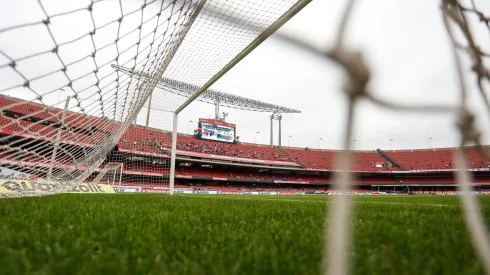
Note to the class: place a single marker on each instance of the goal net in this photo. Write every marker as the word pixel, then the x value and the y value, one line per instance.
pixel 79 80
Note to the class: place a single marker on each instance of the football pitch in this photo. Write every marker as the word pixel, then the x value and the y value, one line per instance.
pixel 199 234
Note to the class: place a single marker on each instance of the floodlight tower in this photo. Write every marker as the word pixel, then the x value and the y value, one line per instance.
pixel 275 116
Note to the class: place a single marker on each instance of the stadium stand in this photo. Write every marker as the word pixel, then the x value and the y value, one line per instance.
pixel 312 166
pixel 189 143
pixel 436 159
pixel 325 159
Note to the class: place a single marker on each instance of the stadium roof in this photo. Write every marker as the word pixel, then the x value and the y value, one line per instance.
pixel 212 96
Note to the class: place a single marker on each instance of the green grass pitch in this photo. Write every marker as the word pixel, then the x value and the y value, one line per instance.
pixel 199 234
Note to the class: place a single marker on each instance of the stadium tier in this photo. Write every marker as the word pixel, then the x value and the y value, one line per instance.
pixel 324 160
pixel 144 153
pixel 435 160
pixel 141 140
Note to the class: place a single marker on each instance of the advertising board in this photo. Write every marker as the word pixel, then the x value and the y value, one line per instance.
pixel 30 186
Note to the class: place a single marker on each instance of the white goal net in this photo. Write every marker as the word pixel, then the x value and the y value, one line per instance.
pixel 79 80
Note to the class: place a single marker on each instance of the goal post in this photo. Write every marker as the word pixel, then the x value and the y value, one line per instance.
pixel 173 153
pixel 57 141
pixel 111 174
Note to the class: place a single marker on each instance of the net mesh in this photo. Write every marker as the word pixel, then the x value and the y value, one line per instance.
pixel 67 111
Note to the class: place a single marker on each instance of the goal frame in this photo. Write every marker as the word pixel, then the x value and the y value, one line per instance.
pixel 246 51
pixel 111 166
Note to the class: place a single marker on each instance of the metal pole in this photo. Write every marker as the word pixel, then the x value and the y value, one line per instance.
pixel 216 108
pixel 272 130
pixel 149 109
pixel 120 175
pixel 280 132
pixel 173 154
pixel 57 141
pixel 391 147
pixel 114 178
pixel 261 38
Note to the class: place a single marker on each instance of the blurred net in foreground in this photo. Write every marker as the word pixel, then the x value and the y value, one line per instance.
pixel 65 112
pixel 460 20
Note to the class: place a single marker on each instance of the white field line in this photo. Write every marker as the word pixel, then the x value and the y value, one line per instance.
pixel 370 202
pixel 325 201
pixel 407 203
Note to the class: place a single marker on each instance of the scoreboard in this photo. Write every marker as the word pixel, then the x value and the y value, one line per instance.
pixel 216 130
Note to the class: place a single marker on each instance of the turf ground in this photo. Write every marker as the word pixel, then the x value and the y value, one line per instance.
pixel 199 234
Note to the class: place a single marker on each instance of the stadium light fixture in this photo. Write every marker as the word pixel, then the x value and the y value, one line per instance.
pixel 354 144
pixel 430 143
pixel 391 147
pixel 290 136
pixel 256 137
pixel 320 143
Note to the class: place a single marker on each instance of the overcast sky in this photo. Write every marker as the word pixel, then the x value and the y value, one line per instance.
pixel 408 51
pixel 404 42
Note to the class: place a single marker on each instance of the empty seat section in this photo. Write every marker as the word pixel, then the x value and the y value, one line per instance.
pixel 139 138
pixel 367 161
pixel 427 180
pixel 314 159
pixel 424 159
pixel 327 160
